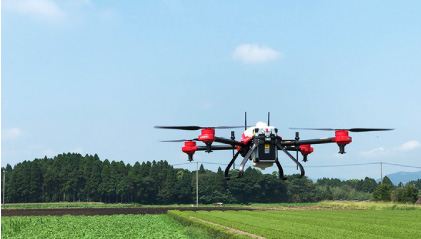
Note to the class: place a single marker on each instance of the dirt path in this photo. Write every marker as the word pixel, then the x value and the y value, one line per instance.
pixel 230 229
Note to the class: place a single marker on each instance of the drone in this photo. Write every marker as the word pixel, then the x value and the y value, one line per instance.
pixel 261 144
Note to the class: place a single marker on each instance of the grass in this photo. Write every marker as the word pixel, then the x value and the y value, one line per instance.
pixel 117 226
pixel 318 223
pixel 369 205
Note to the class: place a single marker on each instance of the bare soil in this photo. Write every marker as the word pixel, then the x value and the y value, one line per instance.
pixel 138 210
pixel 107 211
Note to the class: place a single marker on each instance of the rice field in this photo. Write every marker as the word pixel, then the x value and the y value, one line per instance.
pixel 314 223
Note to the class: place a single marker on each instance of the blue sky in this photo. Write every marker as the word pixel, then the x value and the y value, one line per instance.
pixel 95 77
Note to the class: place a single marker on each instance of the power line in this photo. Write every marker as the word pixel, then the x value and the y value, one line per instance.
pixel 180 164
pixel 321 166
pixel 336 165
pixel 401 165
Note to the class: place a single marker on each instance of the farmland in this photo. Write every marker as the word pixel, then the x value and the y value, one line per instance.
pixel 313 223
pixel 117 226
pixel 327 219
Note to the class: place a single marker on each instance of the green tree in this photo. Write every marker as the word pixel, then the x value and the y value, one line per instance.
pixel 416 183
pixel 386 180
pixel 301 190
pixel 183 188
pixel 369 185
pixel 202 169
pixel 8 171
pixel 135 175
pixel 35 184
pixel 382 193
pixel 407 194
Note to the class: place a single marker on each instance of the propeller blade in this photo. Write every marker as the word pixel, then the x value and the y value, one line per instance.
pixel 224 127
pixel 328 129
pixel 350 130
pixel 179 127
pixel 197 127
pixel 178 140
pixel 366 129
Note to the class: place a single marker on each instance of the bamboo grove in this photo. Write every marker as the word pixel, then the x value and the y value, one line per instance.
pixel 73 177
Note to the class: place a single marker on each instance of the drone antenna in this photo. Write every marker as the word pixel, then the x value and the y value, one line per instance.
pixel 233 138
pixel 268 118
pixel 245 120
pixel 297 137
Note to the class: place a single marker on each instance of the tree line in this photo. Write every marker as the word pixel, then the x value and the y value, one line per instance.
pixel 72 177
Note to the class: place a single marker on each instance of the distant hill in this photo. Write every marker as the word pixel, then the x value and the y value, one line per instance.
pixel 403 177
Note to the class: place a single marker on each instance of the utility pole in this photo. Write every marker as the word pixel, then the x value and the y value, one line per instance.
pixel 4 186
pixel 381 173
pixel 197 184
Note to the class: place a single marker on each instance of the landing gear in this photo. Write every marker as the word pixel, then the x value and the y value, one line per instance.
pixel 227 177
pixel 243 163
pixel 281 171
pixel 278 164
pixel 293 159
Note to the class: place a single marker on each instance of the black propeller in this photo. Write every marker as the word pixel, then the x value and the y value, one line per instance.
pixel 178 140
pixel 350 130
pixel 197 127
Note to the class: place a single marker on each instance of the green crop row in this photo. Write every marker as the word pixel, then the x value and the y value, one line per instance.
pixel 319 224
pixel 117 226
pixel 373 225
pixel 399 218
pixel 213 230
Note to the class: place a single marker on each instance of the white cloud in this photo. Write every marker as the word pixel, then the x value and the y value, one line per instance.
pixel 405 147
pixel 380 151
pixel 408 146
pixel 255 54
pixel 11 133
pixel 40 9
